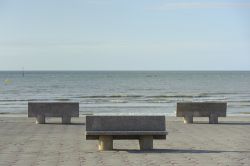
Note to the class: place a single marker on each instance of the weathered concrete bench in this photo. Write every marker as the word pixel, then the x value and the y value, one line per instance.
pixel 108 128
pixel 65 110
pixel 213 110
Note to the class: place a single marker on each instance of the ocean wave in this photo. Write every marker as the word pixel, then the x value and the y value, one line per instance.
pixel 27 100
pixel 135 113
pixel 109 96
pixel 124 106
pixel 173 96
pixel 118 101
pixel 141 96
pixel 15 100
pixel 152 96
pixel 239 101
pixel 134 98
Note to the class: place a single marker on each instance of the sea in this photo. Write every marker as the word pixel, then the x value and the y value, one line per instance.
pixel 125 92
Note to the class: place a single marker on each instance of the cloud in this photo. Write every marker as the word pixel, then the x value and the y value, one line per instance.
pixel 200 5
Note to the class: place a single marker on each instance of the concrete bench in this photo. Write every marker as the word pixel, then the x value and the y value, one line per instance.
pixel 109 128
pixel 213 110
pixel 65 110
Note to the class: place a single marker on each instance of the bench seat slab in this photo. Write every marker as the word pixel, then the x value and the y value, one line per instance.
pixel 201 109
pixel 53 109
pixel 109 128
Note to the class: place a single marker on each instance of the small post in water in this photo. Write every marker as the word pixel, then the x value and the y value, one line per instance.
pixel 23 72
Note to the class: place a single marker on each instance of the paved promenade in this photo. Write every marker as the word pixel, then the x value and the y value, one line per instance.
pixel 24 143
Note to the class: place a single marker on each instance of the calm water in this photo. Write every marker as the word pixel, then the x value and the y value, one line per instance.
pixel 125 92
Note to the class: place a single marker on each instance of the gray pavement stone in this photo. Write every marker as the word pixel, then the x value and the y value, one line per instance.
pixel 22 143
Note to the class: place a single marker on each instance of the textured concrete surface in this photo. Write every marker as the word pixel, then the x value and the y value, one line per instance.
pixel 24 143
pixel 125 123
pixel 201 109
pixel 119 126
pixel 53 109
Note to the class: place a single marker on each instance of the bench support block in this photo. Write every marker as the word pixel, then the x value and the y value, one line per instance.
pixel 146 142
pixel 188 119
pixel 105 143
pixel 66 119
pixel 40 119
pixel 213 119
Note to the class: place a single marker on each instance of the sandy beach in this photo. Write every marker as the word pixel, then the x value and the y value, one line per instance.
pixel 24 143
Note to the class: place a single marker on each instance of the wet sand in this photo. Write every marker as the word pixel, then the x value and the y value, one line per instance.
pixel 24 143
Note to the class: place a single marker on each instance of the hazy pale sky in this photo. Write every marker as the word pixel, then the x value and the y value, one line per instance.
pixel 125 35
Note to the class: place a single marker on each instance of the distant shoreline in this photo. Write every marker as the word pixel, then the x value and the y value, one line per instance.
pixel 125 70
pixel 88 113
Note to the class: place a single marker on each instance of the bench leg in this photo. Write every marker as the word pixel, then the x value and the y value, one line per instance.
pixel 146 142
pixel 105 143
pixel 66 119
pixel 188 119
pixel 40 119
pixel 213 119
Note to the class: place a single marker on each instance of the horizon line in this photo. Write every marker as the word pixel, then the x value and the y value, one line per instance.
pixel 124 70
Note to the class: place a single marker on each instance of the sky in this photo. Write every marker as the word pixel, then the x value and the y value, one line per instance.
pixel 125 35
